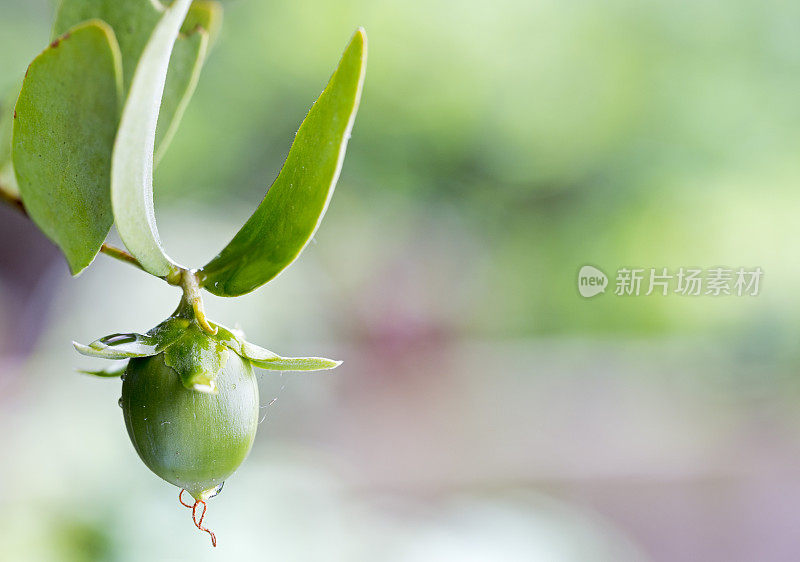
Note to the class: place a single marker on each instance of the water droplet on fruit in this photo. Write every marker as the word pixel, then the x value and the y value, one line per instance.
pixel 216 491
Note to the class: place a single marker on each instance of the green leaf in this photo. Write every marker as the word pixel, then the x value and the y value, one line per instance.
pixel 89 352
pixel 198 32
pixel 133 22
pixel 293 208
pixel 108 372
pixel 296 364
pixel 197 358
pixel 132 161
pixel 187 61
pixel 121 346
pixel 66 119
pixel 126 346
pixel 266 359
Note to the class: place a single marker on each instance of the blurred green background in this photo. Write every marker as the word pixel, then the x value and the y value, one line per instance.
pixel 485 411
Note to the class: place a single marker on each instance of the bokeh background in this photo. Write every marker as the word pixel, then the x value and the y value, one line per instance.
pixel 484 411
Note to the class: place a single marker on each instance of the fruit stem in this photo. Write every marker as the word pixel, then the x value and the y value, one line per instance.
pixel 194 298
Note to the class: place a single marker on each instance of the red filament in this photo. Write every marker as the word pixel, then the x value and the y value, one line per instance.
pixel 198 522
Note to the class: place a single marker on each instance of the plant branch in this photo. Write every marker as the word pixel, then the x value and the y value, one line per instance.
pixel 120 254
pixel 112 251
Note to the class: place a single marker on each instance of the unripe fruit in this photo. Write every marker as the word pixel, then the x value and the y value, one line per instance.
pixel 194 440
pixel 190 398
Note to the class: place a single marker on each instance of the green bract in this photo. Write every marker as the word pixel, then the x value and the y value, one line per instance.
pixel 196 356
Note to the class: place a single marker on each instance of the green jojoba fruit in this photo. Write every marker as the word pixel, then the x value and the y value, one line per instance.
pixel 194 440
pixel 190 397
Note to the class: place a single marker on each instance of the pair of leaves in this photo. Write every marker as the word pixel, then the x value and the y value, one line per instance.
pixel 292 210
pixel 196 356
pixel 68 111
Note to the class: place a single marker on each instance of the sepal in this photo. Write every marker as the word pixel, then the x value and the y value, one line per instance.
pixel 109 372
pixel 197 358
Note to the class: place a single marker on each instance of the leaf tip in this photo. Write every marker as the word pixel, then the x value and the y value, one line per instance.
pixel 82 349
pixel 360 39
pixel 77 264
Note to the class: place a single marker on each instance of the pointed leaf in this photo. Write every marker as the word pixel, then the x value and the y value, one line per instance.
pixel 184 72
pixel 133 22
pixel 293 208
pixel 198 32
pixel 120 346
pixel 106 353
pixel 109 372
pixel 66 118
pixel 132 161
pixel 296 364
pixel 266 359
pixel 126 346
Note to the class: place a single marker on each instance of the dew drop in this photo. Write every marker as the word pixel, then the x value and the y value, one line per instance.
pixel 119 402
pixel 115 339
pixel 216 490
